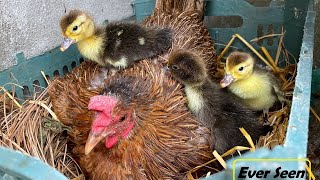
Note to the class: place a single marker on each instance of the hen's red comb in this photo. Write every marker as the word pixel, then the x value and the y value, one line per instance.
pixel 102 103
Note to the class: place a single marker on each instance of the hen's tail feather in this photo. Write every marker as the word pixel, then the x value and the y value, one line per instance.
pixel 176 6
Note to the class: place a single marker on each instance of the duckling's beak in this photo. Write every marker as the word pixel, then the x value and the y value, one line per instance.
pixel 226 81
pixel 67 42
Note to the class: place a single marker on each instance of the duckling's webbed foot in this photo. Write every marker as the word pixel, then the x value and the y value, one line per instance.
pixel 286 102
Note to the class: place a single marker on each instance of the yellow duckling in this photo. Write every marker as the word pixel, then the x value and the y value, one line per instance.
pixel 118 44
pixel 257 87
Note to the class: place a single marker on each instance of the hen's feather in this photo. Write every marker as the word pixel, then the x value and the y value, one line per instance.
pixel 166 141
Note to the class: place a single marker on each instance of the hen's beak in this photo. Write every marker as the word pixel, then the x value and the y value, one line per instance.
pixel 67 42
pixel 226 81
pixel 94 139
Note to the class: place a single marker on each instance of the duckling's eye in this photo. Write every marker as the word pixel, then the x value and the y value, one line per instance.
pixel 241 68
pixel 75 28
pixel 174 67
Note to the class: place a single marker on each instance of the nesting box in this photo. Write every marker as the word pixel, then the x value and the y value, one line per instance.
pixel 237 16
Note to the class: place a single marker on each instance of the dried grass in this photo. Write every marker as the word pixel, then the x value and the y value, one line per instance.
pixel 31 129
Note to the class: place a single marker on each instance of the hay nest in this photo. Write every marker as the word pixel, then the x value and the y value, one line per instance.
pixel 34 130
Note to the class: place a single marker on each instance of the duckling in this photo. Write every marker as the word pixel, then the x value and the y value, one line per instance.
pixel 257 87
pixel 217 108
pixel 118 44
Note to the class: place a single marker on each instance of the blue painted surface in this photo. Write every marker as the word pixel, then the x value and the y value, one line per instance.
pixel 15 165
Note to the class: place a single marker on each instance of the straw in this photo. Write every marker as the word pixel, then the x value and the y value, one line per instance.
pixel 310 172
pixel 249 139
pixel 21 129
pixel 54 116
pixel 10 96
pixel 279 46
pixel 265 36
pixel 315 114
pixel 220 159
pixel 226 49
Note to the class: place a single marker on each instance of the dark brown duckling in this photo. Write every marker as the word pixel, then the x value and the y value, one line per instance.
pixel 213 106
pixel 118 44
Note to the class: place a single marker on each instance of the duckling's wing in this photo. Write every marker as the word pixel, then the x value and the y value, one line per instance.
pixel 276 91
pixel 276 85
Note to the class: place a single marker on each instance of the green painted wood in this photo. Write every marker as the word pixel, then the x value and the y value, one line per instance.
pixel 28 70
pixel 315 93
pixel 268 18
pixel 294 18
pixel 142 8
pixel 315 88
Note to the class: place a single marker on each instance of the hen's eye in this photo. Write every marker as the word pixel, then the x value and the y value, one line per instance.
pixel 75 28
pixel 174 67
pixel 241 68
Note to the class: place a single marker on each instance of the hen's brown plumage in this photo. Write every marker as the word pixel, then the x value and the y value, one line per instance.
pixel 166 140
pixel 185 18
pixel 70 96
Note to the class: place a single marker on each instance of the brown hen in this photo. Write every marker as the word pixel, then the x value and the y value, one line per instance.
pixel 166 140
